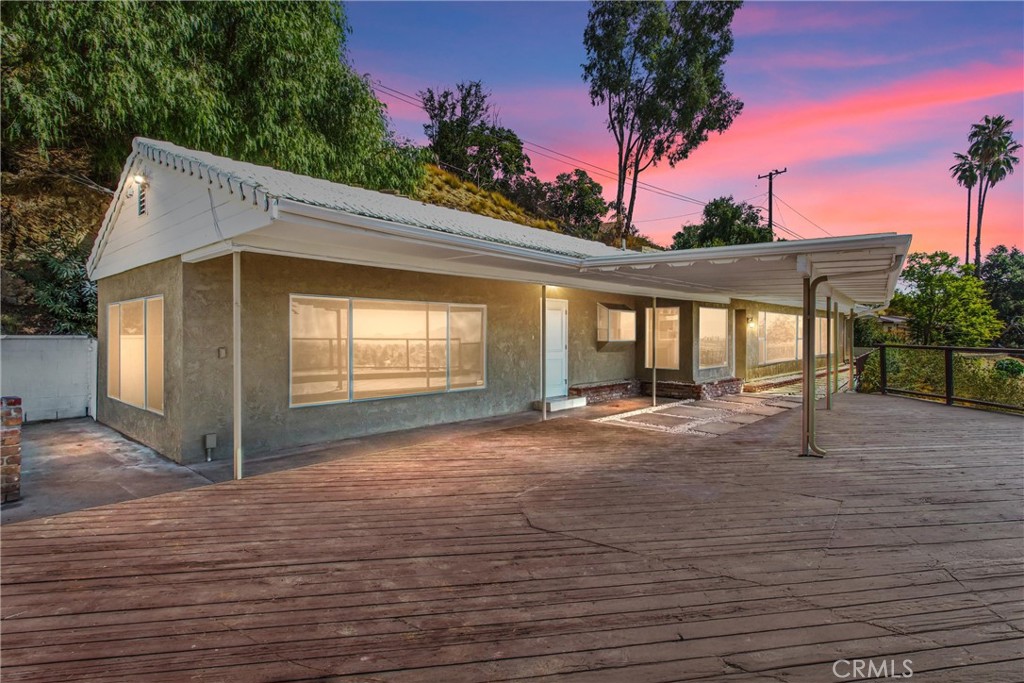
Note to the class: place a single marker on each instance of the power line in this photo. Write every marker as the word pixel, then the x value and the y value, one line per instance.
pixel 415 101
pixel 805 217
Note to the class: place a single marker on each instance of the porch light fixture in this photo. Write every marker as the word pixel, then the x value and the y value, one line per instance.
pixel 140 180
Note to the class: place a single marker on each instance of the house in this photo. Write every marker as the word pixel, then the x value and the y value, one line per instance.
pixel 244 306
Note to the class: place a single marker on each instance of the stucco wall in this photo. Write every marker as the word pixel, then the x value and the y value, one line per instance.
pixel 162 432
pixel 513 352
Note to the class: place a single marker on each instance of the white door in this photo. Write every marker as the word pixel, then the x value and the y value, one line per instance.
pixel 556 348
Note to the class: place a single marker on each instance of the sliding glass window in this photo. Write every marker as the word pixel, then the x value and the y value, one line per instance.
pixel 135 353
pixel 358 349
pixel 666 336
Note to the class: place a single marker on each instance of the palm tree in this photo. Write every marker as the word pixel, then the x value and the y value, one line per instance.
pixel 965 173
pixel 994 150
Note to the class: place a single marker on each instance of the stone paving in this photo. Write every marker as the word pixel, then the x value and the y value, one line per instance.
pixel 708 417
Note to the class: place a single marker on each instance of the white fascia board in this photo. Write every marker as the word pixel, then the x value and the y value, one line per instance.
pixel 798 247
pixel 110 217
pixel 291 210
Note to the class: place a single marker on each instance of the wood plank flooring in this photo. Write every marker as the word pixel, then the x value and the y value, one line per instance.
pixel 562 551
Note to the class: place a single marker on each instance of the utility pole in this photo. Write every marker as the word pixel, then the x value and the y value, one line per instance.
pixel 771 202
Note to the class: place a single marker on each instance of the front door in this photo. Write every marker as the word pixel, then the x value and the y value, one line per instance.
pixel 556 348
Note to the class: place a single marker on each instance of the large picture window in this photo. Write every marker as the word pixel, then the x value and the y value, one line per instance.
pixel 780 337
pixel 665 336
pixel 713 344
pixel 135 353
pixel 355 349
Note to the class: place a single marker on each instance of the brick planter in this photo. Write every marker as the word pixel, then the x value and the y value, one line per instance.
pixel 10 450
pixel 690 391
pixel 602 392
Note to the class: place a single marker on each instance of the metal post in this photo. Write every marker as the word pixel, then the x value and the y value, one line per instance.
pixel 808 446
pixel 838 354
pixel 828 352
pixel 949 376
pixel 883 370
pixel 236 368
pixel 543 352
pixel 654 354
pixel 849 343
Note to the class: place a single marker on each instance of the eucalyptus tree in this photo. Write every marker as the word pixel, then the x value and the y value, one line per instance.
pixel 468 139
pixel 965 173
pixel 657 68
pixel 994 150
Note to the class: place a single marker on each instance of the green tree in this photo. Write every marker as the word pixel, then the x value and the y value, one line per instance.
pixel 1003 275
pixel 575 202
pixel 657 68
pixel 725 222
pixel 467 139
pixel 261 82
pixel 965 173
pixel 994 151
pixel 946 303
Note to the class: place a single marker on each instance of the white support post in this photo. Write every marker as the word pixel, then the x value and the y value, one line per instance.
pixel 828 353
pixel 654 355
pixel 543 352
pixel 236 364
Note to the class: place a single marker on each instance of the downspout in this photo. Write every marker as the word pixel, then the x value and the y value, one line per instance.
pixel 808 447
pixel 236 365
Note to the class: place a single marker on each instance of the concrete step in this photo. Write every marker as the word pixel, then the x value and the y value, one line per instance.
pixel 557 403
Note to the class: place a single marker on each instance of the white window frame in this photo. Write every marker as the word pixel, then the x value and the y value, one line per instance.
pixel 447 389
pixel 145 352
pixel 605 315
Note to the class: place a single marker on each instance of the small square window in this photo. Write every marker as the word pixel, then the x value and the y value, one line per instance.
pixel 615 323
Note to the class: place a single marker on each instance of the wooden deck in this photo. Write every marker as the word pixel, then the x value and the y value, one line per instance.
pixel 563 551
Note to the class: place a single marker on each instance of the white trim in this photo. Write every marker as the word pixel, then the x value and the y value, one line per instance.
pixel 145 352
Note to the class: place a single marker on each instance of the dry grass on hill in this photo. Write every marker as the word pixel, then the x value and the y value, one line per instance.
pixel 442 188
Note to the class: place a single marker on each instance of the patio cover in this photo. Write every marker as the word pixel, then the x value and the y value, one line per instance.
pixel 311 218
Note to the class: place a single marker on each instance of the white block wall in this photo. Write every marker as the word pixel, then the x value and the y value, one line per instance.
pixel 54 376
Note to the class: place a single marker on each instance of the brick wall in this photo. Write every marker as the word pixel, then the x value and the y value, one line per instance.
pixel 10 450
pixel 691 391
pixel 601 392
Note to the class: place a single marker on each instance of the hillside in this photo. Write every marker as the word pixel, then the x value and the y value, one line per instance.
pixel 441 188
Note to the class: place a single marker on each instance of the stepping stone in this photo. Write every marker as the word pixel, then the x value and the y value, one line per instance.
pixel 688 410
pixel 763 410
pixel 715 405
pixel 743 418
pixel 657 420
pixel 733 398
pixel 717 428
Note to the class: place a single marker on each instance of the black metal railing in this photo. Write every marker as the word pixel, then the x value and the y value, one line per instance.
pixel 981 381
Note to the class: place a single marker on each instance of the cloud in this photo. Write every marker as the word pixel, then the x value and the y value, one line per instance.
pixel 793 18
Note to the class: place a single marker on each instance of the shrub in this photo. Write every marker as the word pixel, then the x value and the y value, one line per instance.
pixel 1010 367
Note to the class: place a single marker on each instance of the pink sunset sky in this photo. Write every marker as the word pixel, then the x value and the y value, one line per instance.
pixel 864 103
